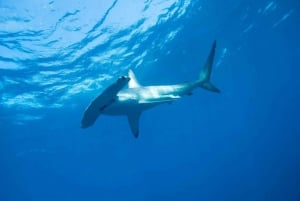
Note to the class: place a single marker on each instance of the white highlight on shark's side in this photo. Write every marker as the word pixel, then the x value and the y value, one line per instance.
pixel 133 100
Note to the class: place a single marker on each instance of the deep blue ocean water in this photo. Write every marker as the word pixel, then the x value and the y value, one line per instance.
pixel 241 144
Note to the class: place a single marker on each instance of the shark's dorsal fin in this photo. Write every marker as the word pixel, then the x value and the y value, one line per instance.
pixel 133 83
pixel 134 119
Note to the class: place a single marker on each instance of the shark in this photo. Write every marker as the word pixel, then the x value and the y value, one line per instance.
pixel 126 96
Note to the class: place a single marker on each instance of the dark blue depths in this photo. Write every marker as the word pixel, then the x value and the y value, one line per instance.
pixel 242 144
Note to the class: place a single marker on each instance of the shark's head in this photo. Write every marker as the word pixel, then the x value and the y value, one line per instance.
pixel 122 80
pixel 103 101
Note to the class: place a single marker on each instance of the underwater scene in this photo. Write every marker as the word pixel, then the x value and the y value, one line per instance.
pixel 142 100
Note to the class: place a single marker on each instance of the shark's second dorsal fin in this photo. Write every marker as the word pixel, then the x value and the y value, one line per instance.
pixel 133 83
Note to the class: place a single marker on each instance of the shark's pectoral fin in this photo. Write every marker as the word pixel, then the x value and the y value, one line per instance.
pixel 134 119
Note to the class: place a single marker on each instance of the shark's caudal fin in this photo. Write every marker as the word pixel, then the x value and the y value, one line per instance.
pixel 204 77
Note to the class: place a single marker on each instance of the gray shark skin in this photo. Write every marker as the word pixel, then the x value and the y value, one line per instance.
pixel 133 100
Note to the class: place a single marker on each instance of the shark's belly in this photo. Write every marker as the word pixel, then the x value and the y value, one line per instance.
pixel 118 109
pixel 125 108
pixel 139 99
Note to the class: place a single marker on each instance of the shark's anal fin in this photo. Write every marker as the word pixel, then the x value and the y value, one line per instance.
pixel 134 119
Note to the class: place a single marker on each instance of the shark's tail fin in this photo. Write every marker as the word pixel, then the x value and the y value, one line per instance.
pixel 204 77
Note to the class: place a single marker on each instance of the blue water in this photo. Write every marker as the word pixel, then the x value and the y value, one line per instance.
pixel 241 144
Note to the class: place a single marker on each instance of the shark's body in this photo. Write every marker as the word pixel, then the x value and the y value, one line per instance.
pixel 132 101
